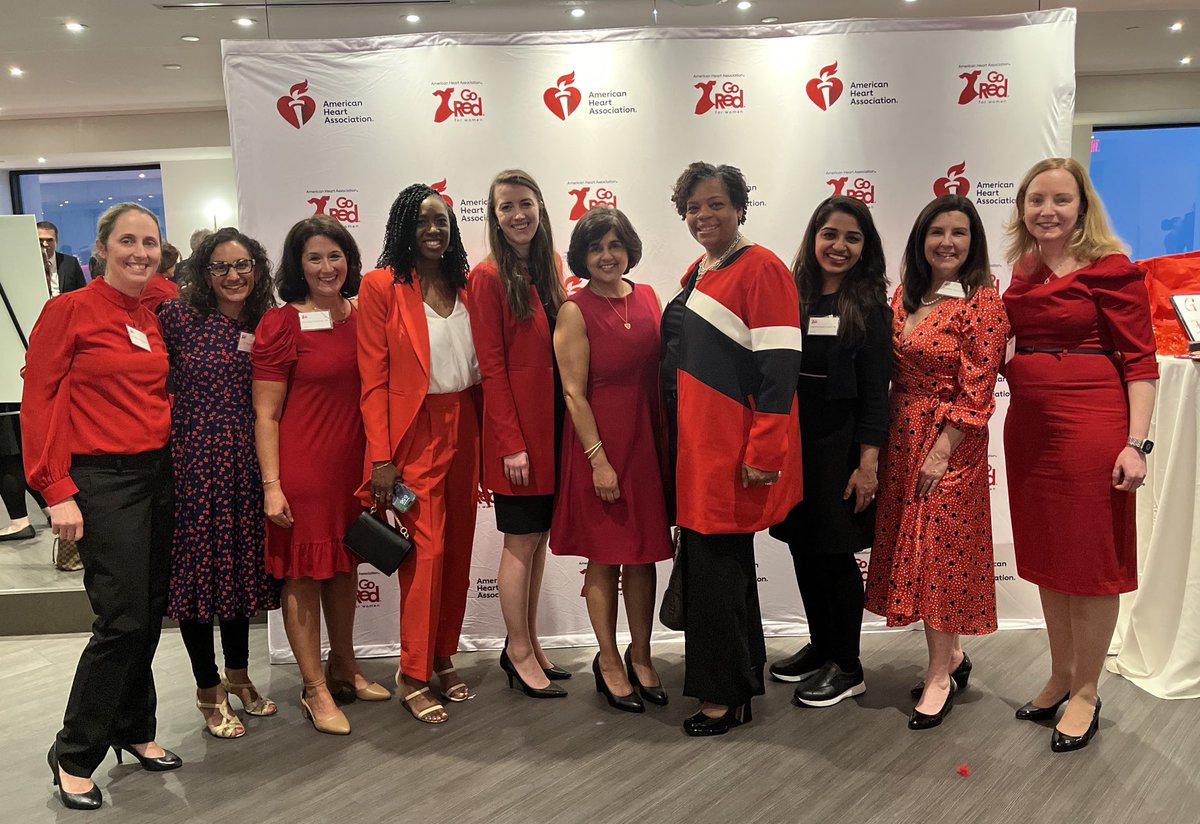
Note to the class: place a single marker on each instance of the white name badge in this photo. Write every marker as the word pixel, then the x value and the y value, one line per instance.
pixel 951 289
pixel 138 338
pixel 1010 349
pixel 823 325
pixel 311 321
pixel 245 341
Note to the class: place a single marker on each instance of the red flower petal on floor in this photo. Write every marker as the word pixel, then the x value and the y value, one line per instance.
pixel 963 770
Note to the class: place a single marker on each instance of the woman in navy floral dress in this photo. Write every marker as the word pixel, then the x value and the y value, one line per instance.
pixel 217 569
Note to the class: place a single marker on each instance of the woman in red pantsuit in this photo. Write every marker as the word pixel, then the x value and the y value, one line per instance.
pixel 514 298
pixel 1082 384
pixel 932 556
pixel 420 412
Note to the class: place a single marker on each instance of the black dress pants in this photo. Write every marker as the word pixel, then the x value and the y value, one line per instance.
pixel 724 651
pixel 831 588
pixel 128 514
pixel 198 640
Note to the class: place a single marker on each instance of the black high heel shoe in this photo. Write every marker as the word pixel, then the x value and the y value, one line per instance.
pixel 961 675
pixel 552 672
pixel 627 703
pixel 160 763
pixel 1032 712
pixel 90 800
pixel 1061 742
pixel 699 725
pixel 655 695
pixel 552 691
pixel 921 721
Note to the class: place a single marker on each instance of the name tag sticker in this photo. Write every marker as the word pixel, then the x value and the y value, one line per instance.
pixel 824 325
pixel 311 321
pixel 951 289
pixel 245 341
pixel 138 338
pixel 1010 349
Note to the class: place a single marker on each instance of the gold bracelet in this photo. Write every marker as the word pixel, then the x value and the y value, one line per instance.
pixel 379 464
pixel 588 453
pixel 272 481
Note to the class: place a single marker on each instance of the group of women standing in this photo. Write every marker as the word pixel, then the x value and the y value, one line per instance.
pixel 757 398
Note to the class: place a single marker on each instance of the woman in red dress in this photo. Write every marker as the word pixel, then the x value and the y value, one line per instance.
pixel 1082 382
pixel 932 557
pixel 610 506
pixel 309 435
pixel 514 296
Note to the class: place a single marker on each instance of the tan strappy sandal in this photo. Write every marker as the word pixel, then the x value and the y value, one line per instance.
pixel 458 692
pixel 423 715
pixel 260 706
pixel 230 726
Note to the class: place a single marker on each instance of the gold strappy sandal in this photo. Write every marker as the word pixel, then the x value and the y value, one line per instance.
pixel 458 692
pixel 230 726
pixel 423 715
pixel 260 706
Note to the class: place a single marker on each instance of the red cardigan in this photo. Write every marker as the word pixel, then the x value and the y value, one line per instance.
pixel 516 362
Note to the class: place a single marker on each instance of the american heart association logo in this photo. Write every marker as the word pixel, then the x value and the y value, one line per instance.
pixel 953 183
pixel 562 98
pixel 296 107
pixel 825 90
pixel 440 188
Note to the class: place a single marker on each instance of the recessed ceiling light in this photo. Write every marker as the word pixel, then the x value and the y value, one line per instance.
pixel 1186 61
pixel 41 160
pixel 110 198
pixel 74 27
pixel 16 71
pixel 141 175
pixel 1176 26
pixel 150 196
pixel 172 66
pixel 413 18
pixel 578 12
pixel 190 38
pixel 66 203
pixel 245 21
pixel 770 20
pixel 99 201
pixel 745 4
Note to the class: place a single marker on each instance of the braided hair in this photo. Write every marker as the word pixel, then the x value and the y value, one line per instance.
pixel 401 233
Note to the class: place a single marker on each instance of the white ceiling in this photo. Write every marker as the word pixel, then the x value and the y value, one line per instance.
pixel 116 64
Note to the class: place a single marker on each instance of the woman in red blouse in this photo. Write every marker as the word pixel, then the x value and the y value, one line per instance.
pixel 94 422
pixel 1082 384
pixel 514 298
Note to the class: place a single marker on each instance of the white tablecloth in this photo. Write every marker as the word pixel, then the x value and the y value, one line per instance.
pixel 1158 632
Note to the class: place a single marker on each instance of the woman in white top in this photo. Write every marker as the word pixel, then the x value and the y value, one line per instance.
pixel 420 405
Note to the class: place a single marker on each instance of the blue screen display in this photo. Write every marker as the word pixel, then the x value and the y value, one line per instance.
pixel 1149 180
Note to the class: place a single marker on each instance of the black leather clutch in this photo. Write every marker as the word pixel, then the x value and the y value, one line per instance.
pixel 377 543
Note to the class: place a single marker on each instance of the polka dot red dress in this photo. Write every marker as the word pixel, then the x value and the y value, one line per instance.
pixel 932 557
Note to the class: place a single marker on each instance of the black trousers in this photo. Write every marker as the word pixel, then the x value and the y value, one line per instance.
pixel 13 487
pixel 724 652
pixel 831 588
pixel 198 639
pixel 128 514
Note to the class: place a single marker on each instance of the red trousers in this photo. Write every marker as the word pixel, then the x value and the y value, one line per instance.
pixel 441 467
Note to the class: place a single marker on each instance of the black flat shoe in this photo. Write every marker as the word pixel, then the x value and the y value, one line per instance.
pixel 829 686
pixel 90 800
pixel 1032 712
pixel 1061 742
pixel 961 675
pixel 626 703
pixel 160 763
pixel 552 691
pixel 804 664
pixel 921 721
pixel 655 695
pixel 23 534
pixel 700 725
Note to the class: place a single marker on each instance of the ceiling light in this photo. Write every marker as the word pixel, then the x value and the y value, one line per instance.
pixel 1185 61
pixel 141 175
pixel 413 18
pixel 245 21
pixel 41 160
pixel 74 27
pixel 770 20
pixel 190 38
pixel 151 196
pixel 99 201
pixel 172 66
pixel 1176 26
pixel 578 12
pixel 110 198
pixel 16 71
pixel 66 203
pixel 745 4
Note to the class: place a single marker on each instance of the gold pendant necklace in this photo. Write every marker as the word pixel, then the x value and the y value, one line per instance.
pixel 611 305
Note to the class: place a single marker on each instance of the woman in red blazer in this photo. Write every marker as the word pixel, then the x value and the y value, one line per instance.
pixel 515 295
pixel 420 411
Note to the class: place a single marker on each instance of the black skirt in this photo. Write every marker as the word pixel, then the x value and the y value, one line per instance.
pixel 523 514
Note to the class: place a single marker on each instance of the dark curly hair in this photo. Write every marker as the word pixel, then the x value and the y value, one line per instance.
pixel 289 277
pixel 916 276
pixel 731 178
pixel 542 261
pixel 863 287
pixel 401 232
pixel 196 289
pixel 592 228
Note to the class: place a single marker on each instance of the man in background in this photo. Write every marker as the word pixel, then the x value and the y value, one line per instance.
pixel 65 274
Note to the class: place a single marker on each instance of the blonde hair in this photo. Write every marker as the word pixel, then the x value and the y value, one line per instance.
pixel 108 220
pixel 1092 237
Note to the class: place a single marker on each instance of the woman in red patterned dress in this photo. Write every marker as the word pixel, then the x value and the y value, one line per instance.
pixel 932 558
pixel 1082 383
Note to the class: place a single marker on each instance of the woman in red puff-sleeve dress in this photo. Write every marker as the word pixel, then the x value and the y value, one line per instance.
pixel 1082 392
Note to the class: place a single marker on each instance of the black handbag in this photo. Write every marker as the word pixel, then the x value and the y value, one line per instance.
pixel 671 613
pixel 377 543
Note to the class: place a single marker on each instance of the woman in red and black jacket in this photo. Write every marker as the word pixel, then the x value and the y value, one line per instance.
pixel 514 298
pixel 95 421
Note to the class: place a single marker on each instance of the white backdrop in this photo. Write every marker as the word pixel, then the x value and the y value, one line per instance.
pixel 890 111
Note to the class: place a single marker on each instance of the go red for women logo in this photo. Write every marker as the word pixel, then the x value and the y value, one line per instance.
pixel 603 197
pixel 825 89
pixel 954 182
pixel 296 107
pixel 368 591
pixel 562 99
pixel 468 104
pixel 992 88
pixel 440 188
pixel 343 209
pixel 859 187
pixel 730 96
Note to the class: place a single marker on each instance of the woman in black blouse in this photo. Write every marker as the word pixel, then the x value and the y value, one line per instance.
pixel 844 372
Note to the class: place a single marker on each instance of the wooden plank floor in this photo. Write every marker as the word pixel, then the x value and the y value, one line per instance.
pixel 506 758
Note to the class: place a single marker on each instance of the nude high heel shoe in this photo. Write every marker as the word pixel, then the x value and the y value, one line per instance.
pixel 335 724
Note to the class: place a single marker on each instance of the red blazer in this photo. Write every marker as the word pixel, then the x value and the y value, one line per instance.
pixel 393 363
pixel 516 361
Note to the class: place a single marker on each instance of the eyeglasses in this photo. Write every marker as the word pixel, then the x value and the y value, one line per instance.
pixel 220 268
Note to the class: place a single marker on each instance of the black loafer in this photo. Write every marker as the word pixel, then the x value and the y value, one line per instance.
pixel 921 721
pixel 1032 712
pixel 829 686
pixel 1061 742
pixel 700 725
pixel 22 534
pixel 804 664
